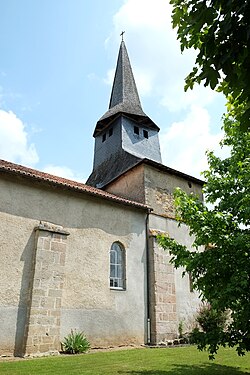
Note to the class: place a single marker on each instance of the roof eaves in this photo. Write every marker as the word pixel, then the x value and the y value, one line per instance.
pixel 33 174
pixel 104 122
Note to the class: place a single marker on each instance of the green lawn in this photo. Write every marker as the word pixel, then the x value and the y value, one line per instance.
pixel 166 361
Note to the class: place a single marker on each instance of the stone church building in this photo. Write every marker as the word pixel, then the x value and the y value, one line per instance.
pixel 84 256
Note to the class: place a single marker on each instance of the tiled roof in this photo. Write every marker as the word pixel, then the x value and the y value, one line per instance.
pixel 35 175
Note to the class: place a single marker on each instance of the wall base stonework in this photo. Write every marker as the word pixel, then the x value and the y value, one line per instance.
pixel 43 322
pixel 162 295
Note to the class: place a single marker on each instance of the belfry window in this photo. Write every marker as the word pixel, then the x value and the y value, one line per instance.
pixel 145 134
pixel 117 266
pixel 110 132
pixel 104 137
pixel 136 130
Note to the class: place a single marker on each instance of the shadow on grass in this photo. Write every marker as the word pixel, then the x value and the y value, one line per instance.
pixel 206 369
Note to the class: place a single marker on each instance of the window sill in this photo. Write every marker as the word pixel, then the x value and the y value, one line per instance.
pixel 116 288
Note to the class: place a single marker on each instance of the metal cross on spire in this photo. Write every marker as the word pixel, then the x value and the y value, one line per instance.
pixel 122 35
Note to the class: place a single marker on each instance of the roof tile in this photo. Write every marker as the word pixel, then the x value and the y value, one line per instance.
pixel 20 170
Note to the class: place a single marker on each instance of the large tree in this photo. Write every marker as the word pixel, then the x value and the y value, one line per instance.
pixel 222 271
pixel 220 32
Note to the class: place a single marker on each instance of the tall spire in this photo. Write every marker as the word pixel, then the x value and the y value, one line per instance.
pixel 124 89
pixel 124 135
pixel 124 95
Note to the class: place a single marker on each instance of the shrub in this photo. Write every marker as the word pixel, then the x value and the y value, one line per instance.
pixel 211 319
pixel 211 331
pixel 180 328
pixel 75 343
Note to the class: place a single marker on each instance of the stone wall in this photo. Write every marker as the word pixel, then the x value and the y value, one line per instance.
pixel 44 320
pixel 163 315
pixel 185 300
pixel 129 185
pixel 160 187
pixel 35 282
pixel 171 300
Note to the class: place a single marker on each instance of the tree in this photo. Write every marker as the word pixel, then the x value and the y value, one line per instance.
pixel 220 31
pixel 222 271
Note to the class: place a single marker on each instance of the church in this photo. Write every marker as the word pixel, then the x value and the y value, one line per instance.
pixel 85 257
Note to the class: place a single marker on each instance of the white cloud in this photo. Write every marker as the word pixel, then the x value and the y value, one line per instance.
pixel 159 67
pixel 63 171
pixel 143 13
pixel 14 145
pixel 109 76
pixel 144 82
pixel 175 99
pixel 184 144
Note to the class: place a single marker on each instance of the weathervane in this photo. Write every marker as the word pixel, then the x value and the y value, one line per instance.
pixel 122 35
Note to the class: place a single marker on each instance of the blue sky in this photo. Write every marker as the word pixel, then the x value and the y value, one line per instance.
pixel 56 69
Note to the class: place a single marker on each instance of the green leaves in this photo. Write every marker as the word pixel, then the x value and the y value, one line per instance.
pixel 212 78
pixel 220 259
pixel 75 343
pixel 213 325
pixel 220 31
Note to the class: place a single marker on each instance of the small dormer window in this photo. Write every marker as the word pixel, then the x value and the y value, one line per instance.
pixel 104 137
pixel 110 132
pixel 145 134
pixel 136 130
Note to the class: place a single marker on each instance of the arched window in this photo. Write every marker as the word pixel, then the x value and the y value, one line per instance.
pixel 117 266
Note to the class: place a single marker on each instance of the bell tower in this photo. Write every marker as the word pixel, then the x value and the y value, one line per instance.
pixel 124 135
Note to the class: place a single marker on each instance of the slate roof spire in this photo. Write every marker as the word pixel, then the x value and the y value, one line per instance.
pixel 124 90
pixel 124 135
pixel 124 95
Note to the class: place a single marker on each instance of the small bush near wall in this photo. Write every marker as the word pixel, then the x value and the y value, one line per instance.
pixel 211 319
pixel 211 330
pixel 75 343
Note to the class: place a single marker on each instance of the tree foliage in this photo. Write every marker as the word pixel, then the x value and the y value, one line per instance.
pixel 213 324
pixel 220 31
pixel 222 271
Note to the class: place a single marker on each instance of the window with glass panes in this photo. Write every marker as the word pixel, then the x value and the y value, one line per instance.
pixel 117 266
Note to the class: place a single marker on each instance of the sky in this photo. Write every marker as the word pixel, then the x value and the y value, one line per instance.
pixel 56 71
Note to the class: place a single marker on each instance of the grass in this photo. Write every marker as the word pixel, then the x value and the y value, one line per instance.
pixel 168 361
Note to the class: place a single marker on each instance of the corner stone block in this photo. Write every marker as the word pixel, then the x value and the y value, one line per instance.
pixel 45 307
pixel 162 285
